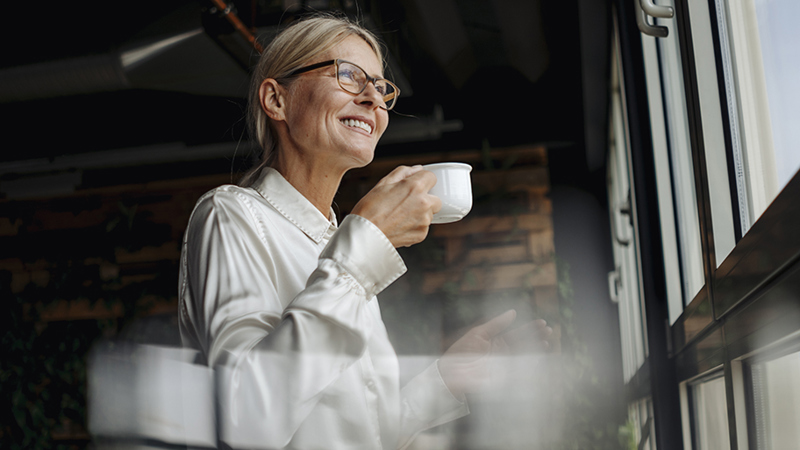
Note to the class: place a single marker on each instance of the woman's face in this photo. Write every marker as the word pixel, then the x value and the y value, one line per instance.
pixel 328 124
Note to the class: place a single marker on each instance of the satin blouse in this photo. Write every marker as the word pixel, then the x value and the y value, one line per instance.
pixel 281 301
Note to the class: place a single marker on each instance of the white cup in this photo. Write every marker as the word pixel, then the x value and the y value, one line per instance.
pixel 454 188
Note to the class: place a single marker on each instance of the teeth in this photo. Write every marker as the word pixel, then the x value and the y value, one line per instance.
pixel 358 124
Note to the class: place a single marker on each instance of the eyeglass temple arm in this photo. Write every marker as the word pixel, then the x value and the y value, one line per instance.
pixel 311 67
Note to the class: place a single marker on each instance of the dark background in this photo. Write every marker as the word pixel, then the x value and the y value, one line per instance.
pixel 504 71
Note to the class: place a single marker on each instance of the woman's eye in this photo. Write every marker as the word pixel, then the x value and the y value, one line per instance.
pixel 347 74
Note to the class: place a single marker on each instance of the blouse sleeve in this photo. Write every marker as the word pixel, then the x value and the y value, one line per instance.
pixel 276 361
pixel 426 403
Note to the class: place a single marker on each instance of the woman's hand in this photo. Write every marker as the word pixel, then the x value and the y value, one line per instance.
pixel 400 205
pixel 468 364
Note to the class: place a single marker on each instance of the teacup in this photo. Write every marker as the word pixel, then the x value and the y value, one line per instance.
pixel 454 188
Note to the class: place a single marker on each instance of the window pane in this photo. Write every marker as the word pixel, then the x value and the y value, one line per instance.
pixel 666 204
pixel 640 420
pixel 711 416
pixel 776 394
pixel 762 66
pixel 716 174
pixel 624 280
pixel 685 198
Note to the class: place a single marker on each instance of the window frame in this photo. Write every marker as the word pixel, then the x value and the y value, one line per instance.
pixel 750 300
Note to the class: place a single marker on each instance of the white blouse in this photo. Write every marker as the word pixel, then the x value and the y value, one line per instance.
pixel 282 302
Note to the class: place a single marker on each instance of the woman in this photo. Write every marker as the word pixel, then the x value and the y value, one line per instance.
pixel 281 298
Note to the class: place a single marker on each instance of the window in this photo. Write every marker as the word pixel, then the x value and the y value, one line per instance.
pixel 775 412
pixel 640 418
pixel 710 132
pixel 675 176
pixel 706 408
pixel 623 282
pixel 720 92
pixel 761 68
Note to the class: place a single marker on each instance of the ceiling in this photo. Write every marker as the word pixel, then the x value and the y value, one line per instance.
pixel 118 82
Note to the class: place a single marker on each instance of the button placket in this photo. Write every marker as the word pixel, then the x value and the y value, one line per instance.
pixel 370 393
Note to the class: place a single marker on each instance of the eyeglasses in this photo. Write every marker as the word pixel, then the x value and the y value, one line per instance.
pixel 354 80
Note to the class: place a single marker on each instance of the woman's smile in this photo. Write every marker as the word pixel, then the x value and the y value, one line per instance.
pixel 358 123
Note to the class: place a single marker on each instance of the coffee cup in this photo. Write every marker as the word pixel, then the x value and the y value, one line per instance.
pixel 454 189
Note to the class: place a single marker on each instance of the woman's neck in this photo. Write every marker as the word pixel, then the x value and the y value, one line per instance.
pixel 318 182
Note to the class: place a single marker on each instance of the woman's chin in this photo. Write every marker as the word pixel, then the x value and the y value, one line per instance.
pixel 361 158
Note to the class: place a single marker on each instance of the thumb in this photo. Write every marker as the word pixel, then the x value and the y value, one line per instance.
pixel 496 325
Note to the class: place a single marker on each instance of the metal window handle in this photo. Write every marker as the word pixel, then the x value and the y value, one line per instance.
pixel 644 26
pixel 614 284
pixel 623 209
pixel 665 12
pixel 621 240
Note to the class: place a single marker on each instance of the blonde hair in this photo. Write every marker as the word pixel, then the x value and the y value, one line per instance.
pixel 291 49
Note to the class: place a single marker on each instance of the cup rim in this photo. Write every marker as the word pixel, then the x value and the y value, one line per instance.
pixel 444 165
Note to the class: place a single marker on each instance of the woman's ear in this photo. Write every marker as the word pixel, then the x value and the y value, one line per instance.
pixel 271 96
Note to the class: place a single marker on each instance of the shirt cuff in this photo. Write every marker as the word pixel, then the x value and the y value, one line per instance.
pixel 366 253
pixel 431 401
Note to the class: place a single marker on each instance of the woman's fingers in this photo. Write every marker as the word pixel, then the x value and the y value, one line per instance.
pixel 531 337
pixel 436 203
pixel 464 366
pixel 399 173
pixel 401 206
pixel 496 325
pixel 422 182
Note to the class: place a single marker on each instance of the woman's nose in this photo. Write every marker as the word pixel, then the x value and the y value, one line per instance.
pixel 371 96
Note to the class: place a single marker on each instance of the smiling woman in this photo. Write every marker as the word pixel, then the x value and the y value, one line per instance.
pixel 281 298
pixel 289 52
pixel 319 124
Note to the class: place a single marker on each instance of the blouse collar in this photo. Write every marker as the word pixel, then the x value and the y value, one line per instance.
pixel 293 205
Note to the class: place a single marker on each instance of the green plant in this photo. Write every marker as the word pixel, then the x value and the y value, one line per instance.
pixel 43 378
pixel 43 366
pixel 594 420
pixel 627 436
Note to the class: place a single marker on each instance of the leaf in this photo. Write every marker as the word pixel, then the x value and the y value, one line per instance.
pixel 112 224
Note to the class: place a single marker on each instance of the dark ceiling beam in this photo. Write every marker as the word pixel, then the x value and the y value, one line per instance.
pixel 185 61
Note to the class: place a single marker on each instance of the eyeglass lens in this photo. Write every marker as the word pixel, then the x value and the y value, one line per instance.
pixel 354 80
